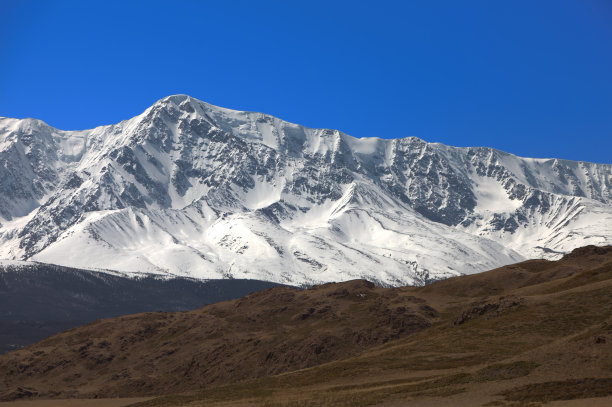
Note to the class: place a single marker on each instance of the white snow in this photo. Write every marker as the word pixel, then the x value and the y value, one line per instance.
pixel 366 145
pixel 491 195
pixel 329 227
pixel 263 194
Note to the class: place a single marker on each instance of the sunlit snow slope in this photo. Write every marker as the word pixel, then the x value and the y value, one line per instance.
pixel 191 189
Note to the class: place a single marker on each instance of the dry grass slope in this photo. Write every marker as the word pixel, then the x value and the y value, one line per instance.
pixel 525 334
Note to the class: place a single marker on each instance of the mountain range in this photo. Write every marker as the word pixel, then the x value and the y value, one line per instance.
pixel 194 190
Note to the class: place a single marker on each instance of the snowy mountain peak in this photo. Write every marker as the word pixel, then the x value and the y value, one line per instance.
pixel 189 188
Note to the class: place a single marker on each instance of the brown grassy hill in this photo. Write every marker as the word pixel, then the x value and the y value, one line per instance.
pixel 266 333
pixel 473 340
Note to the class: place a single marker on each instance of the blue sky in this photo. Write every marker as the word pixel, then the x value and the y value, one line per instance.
pixel 533 78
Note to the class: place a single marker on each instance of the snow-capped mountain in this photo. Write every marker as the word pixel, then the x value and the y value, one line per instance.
pixel 191 189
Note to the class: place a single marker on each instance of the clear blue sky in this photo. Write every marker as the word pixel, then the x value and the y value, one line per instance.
pixel 533 78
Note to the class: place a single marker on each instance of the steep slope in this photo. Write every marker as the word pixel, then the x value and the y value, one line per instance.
pixel 191 189
pixel 38 300
pixel 338 344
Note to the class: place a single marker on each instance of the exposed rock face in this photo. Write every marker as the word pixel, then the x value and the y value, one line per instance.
pixel 192 189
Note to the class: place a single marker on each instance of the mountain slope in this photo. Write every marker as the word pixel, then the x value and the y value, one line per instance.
pixel 191 189
pixel 38 300
pixel 533 322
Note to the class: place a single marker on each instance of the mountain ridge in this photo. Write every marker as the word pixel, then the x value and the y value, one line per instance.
pixel 216 188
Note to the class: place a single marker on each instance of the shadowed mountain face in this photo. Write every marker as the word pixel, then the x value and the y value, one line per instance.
pixel 38 300
pixel 336 344
pixel 191 189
